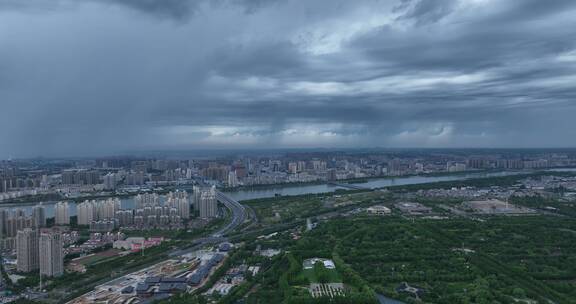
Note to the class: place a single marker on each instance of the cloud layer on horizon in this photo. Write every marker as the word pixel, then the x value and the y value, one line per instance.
pixel 109 76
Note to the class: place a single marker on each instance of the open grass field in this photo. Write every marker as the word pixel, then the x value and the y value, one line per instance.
pixel 285 209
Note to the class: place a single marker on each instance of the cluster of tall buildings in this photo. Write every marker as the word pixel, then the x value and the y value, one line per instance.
pixel 179 200
pixel 301 166
pixel 156 216
pixel 99 215
pixel 149 212
pixel 13 220
pixel 43 250
pixel 110 181
pixel 215 171
pixel 9 182
pixel 90 211
pixel 80 177
pixel 205 201
pixel 18 179
pixel 146 200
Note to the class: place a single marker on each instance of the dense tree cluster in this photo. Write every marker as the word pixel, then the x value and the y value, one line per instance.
pixel 498 260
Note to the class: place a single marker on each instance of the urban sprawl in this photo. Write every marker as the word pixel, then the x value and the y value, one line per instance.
pixel 164 229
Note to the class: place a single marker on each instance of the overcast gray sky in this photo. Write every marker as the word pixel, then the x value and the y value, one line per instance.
pixel 84 77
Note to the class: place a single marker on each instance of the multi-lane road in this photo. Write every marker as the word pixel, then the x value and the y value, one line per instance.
pixel 238 213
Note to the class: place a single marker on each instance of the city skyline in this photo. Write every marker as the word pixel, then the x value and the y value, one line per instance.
pixel 106 77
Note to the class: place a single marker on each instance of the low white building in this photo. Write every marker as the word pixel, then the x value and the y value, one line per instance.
pixel 378 210
pixel 309 263
pixel 128 243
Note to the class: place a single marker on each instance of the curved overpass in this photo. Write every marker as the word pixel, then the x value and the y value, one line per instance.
pixel 239 214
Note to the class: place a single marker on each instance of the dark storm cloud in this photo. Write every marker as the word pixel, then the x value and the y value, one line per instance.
pixel 178 9
pixel 271 59
pixel 425 11
pixel 478 46
pixel 92 77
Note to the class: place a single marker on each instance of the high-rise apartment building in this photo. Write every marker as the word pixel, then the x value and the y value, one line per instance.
pixel 89 211
pixel 61 213
pixel 109 181
pixel 52 256
pixel 179 201
pixel 27 250
pixel 68 177
pixel 86 212
pixel 232 179
pixel 3 219
pixel 208 204
pixel 15 220
pixel 196 193
pixel 81 177
pixel 39 216
pixel 147 200
pixel 107 209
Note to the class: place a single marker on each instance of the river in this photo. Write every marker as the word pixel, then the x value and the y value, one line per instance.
pixel 266 192
pixel 247 194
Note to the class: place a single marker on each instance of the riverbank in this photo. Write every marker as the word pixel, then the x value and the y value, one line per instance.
pixel 360 180
pixel 311 188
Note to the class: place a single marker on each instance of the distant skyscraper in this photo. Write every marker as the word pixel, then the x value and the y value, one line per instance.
pixel 61 213
pixel 395 166
pixel 232 179
pixel 51 257
pixel 196 193
pixel 184 208
pixel 293 167
pixel 477 163
pixel 3 219
pixel 39 216
pixel 208 204
pixel 27 250
pixel 109 181
pixel 68 177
